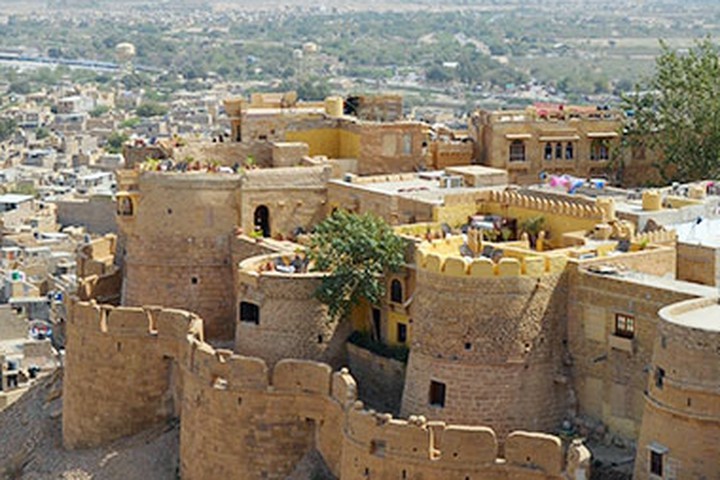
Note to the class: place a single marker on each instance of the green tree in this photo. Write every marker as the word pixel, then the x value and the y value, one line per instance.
pixel 42 133
pixel 99 111
pixel 7 128
pixel 115 142
pixel 356 250
pixel 677 114
pixel 151 109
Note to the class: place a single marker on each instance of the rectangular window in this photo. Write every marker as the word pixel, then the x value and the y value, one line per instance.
pixel 249 312
pixel 624 325
pixel 517 151
pixel 377 448
pixel 599 150
pixel 656 463
pixel 659 377
pixel 401 333
pixel 437 394
pixel 407 144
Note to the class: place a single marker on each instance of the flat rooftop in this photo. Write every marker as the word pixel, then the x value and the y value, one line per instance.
pixel 421 188
pixel 706 233
pixel 665 283
pixel 706 318
pixel 15 198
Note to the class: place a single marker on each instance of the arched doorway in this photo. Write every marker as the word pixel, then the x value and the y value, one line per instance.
pixel 262 220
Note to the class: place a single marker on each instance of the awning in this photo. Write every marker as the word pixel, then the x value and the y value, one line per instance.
pixel 563 138
pixel 518 136
pixel 603 134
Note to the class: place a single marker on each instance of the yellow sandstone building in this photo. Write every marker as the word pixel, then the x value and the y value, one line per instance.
pixel 524 320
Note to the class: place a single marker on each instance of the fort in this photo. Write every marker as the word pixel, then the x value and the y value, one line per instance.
pixel 521 315
pixel 282 412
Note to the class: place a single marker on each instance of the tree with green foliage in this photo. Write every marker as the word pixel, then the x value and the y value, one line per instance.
pixel 356 251
pixel 42 133
pixel 115 142
pixel 677 114
pixel 7 128
pixel 99 111
pixel 151 109
pixel 131 122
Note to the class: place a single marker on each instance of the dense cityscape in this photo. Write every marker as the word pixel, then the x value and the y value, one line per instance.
pixel 359 240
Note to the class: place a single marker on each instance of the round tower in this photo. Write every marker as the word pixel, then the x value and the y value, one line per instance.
pixel 680 432
pixel 279 316
pixel 487 340
pixel 177 229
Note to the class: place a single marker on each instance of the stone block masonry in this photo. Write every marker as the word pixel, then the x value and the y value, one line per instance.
pixel 241 420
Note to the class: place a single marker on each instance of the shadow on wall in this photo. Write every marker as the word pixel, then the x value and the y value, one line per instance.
pixel 282 414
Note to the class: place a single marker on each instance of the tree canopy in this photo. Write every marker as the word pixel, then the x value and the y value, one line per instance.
pixel 151 109
pixel 677 114
pixel 115 142
pixel 356 250
pixel 7 128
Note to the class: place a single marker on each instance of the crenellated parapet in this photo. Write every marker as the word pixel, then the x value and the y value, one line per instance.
pixel 485 325
pixel 386 447
pixel 279 314
pixel 280 413
pixel 656 237
pixel 443 257
pixel 117 378
pixel 546 205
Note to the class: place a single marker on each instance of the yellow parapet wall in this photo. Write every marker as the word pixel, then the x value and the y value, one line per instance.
pixel 283 412
pixel 442 256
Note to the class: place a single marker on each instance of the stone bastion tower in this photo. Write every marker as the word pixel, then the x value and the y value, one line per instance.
pixel 681 418
pixel 177 230
pixel 488 339
pixel 279 315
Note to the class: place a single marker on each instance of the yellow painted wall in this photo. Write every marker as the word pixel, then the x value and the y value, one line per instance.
pixel 331 142
pixel 454 215
pixel 321 141
pixel 349 144
pixel 555 224
pixel 360 317
pixel 393 318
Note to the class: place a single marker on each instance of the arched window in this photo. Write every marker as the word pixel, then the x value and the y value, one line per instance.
pixel 262 220
pixel 125 206
pixel 396 291
pixel 517 151
pixel 548 151
pixel 558 151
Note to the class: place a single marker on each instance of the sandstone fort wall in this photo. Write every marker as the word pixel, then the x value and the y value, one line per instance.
pixel 292 322
pixel 681 418
pixel 383 379
pixel 241 420
pixel 608 371
pixel 294 197
pixel 494 340
pixel 178 246
pixel 118 374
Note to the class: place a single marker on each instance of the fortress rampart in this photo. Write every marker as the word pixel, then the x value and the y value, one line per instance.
pixel 491 336
pixel 546 205
pixel 680 432
pixel 276 415
pixel 290 321
pixel 178 246
pixel 119 377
